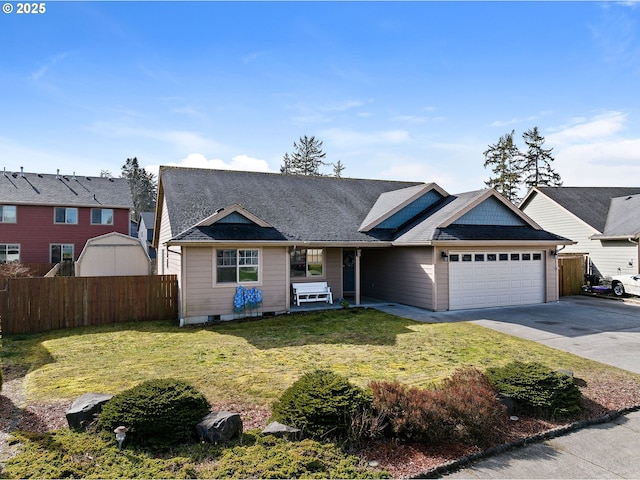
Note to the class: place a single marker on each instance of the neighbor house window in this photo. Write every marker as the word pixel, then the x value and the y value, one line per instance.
pixel 101 216
pixel 66 215
pixel 9 253
pixel 237 266
pixel 61 252
pixel 307 262
pixel 8 214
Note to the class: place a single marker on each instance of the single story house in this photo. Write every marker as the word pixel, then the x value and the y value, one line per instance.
pixel 404 242
pixel 604 223
pixel 113 254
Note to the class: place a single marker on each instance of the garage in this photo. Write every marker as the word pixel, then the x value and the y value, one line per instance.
pixel 491 279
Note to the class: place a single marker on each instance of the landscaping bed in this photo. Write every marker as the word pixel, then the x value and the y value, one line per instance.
pixel 36 367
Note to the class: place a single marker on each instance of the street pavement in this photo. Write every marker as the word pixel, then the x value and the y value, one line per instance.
pixel 600 329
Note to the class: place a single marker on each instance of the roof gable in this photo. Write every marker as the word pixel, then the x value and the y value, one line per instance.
pixel 589 204
pixel 623 219
pixel 233 214
pixel 491 212
pixel 64 190
pixel 394 209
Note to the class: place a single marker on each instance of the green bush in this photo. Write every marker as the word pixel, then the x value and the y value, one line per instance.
pixel 463 409
pixel 156 412
pixel 320 403
pixel 537 388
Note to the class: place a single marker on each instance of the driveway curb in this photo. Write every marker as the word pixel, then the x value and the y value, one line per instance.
pixel 467 460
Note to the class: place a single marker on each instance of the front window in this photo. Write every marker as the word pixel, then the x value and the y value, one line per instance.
pixel 66 215
pixel 237 266
pixel 61 252
pixel 9 253
pixel 8 214
pixel 307 262
pixel 101 216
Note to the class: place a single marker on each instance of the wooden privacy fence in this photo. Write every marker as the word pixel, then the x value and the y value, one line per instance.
pixel 571 275
pixel 31 305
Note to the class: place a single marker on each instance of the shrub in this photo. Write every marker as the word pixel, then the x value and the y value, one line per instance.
pixel 463 409
pixel 537 388
pixel 320 403
pixel 156 412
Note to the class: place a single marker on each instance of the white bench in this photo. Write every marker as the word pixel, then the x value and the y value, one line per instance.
pixel 311 292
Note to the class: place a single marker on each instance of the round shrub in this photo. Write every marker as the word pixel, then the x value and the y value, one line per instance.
pixel 320 403
pixel 156 412
pixel 537 388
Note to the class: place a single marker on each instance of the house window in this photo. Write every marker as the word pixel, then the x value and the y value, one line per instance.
pixel 8 214
pixel 101 216
pixel 9 253
pixel 65 215
pixel 237 266
pixel 61 252
pixel 307 262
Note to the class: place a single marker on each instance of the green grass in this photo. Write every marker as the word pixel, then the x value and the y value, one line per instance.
pixel 256 361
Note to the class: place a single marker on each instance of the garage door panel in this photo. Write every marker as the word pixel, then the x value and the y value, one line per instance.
pixel 483 283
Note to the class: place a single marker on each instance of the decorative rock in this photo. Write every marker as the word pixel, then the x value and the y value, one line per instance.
pixel 508 402
pixel 280 430
pixel 219 427
pixel 85 408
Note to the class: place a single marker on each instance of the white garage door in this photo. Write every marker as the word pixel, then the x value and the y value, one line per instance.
pixel 481 279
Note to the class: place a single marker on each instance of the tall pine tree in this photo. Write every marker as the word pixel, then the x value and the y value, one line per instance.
pixel 536 165
pixel 505 159
pixel 306 159
pixel 143 187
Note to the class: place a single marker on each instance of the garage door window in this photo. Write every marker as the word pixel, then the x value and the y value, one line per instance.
pixel 493 257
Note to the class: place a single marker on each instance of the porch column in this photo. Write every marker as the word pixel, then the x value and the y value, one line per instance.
pixel 358 253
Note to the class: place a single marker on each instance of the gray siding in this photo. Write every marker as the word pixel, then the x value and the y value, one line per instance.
pixel 169 261
pixel 607 257
pixel 403 274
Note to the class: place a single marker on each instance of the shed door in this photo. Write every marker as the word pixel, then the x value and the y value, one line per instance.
pixel 481 279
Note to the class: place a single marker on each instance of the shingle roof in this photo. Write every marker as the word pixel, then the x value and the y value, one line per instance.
pixel 300 208
pixel 624 217
pixel 494 232
pixel 590 204
pixel 64 190
pixel 312 209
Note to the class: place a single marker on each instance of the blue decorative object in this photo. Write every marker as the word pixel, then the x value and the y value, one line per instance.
pixel 246 299
pixel 238 300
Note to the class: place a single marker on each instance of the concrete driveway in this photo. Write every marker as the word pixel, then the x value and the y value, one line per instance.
pixel 600 329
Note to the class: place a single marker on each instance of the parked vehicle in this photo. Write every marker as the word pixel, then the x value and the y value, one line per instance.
pixel 621 284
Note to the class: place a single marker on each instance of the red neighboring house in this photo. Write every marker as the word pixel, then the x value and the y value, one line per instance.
pixel 47 218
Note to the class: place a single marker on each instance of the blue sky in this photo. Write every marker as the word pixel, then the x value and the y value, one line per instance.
pixel 395 90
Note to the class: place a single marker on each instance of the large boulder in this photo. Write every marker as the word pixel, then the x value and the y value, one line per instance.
pixel 280 430
pixel 219 427
pixel 84 409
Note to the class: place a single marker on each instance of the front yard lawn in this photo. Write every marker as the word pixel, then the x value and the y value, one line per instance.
pixel 249 364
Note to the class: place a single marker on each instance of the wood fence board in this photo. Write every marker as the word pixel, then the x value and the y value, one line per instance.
pixel 30 305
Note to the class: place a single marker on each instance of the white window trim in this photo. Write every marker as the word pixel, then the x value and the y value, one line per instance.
pixel 65 216
pixel 236 283
pixel 102 209
pixel 2 219
pixel 6 245
pixel 306 265
pixel 73 251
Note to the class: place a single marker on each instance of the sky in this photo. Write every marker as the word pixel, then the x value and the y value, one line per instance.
pixel 394 90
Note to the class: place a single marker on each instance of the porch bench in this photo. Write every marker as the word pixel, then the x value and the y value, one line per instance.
pixel 311 292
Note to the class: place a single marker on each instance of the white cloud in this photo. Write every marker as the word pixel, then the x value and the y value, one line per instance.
pixel 239 162
pixel 594 152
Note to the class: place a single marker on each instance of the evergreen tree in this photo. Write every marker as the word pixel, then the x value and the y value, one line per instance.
pixel 143 187
pixel 504 158
pixel 536 165
pixel 338 168
pixel 306 158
